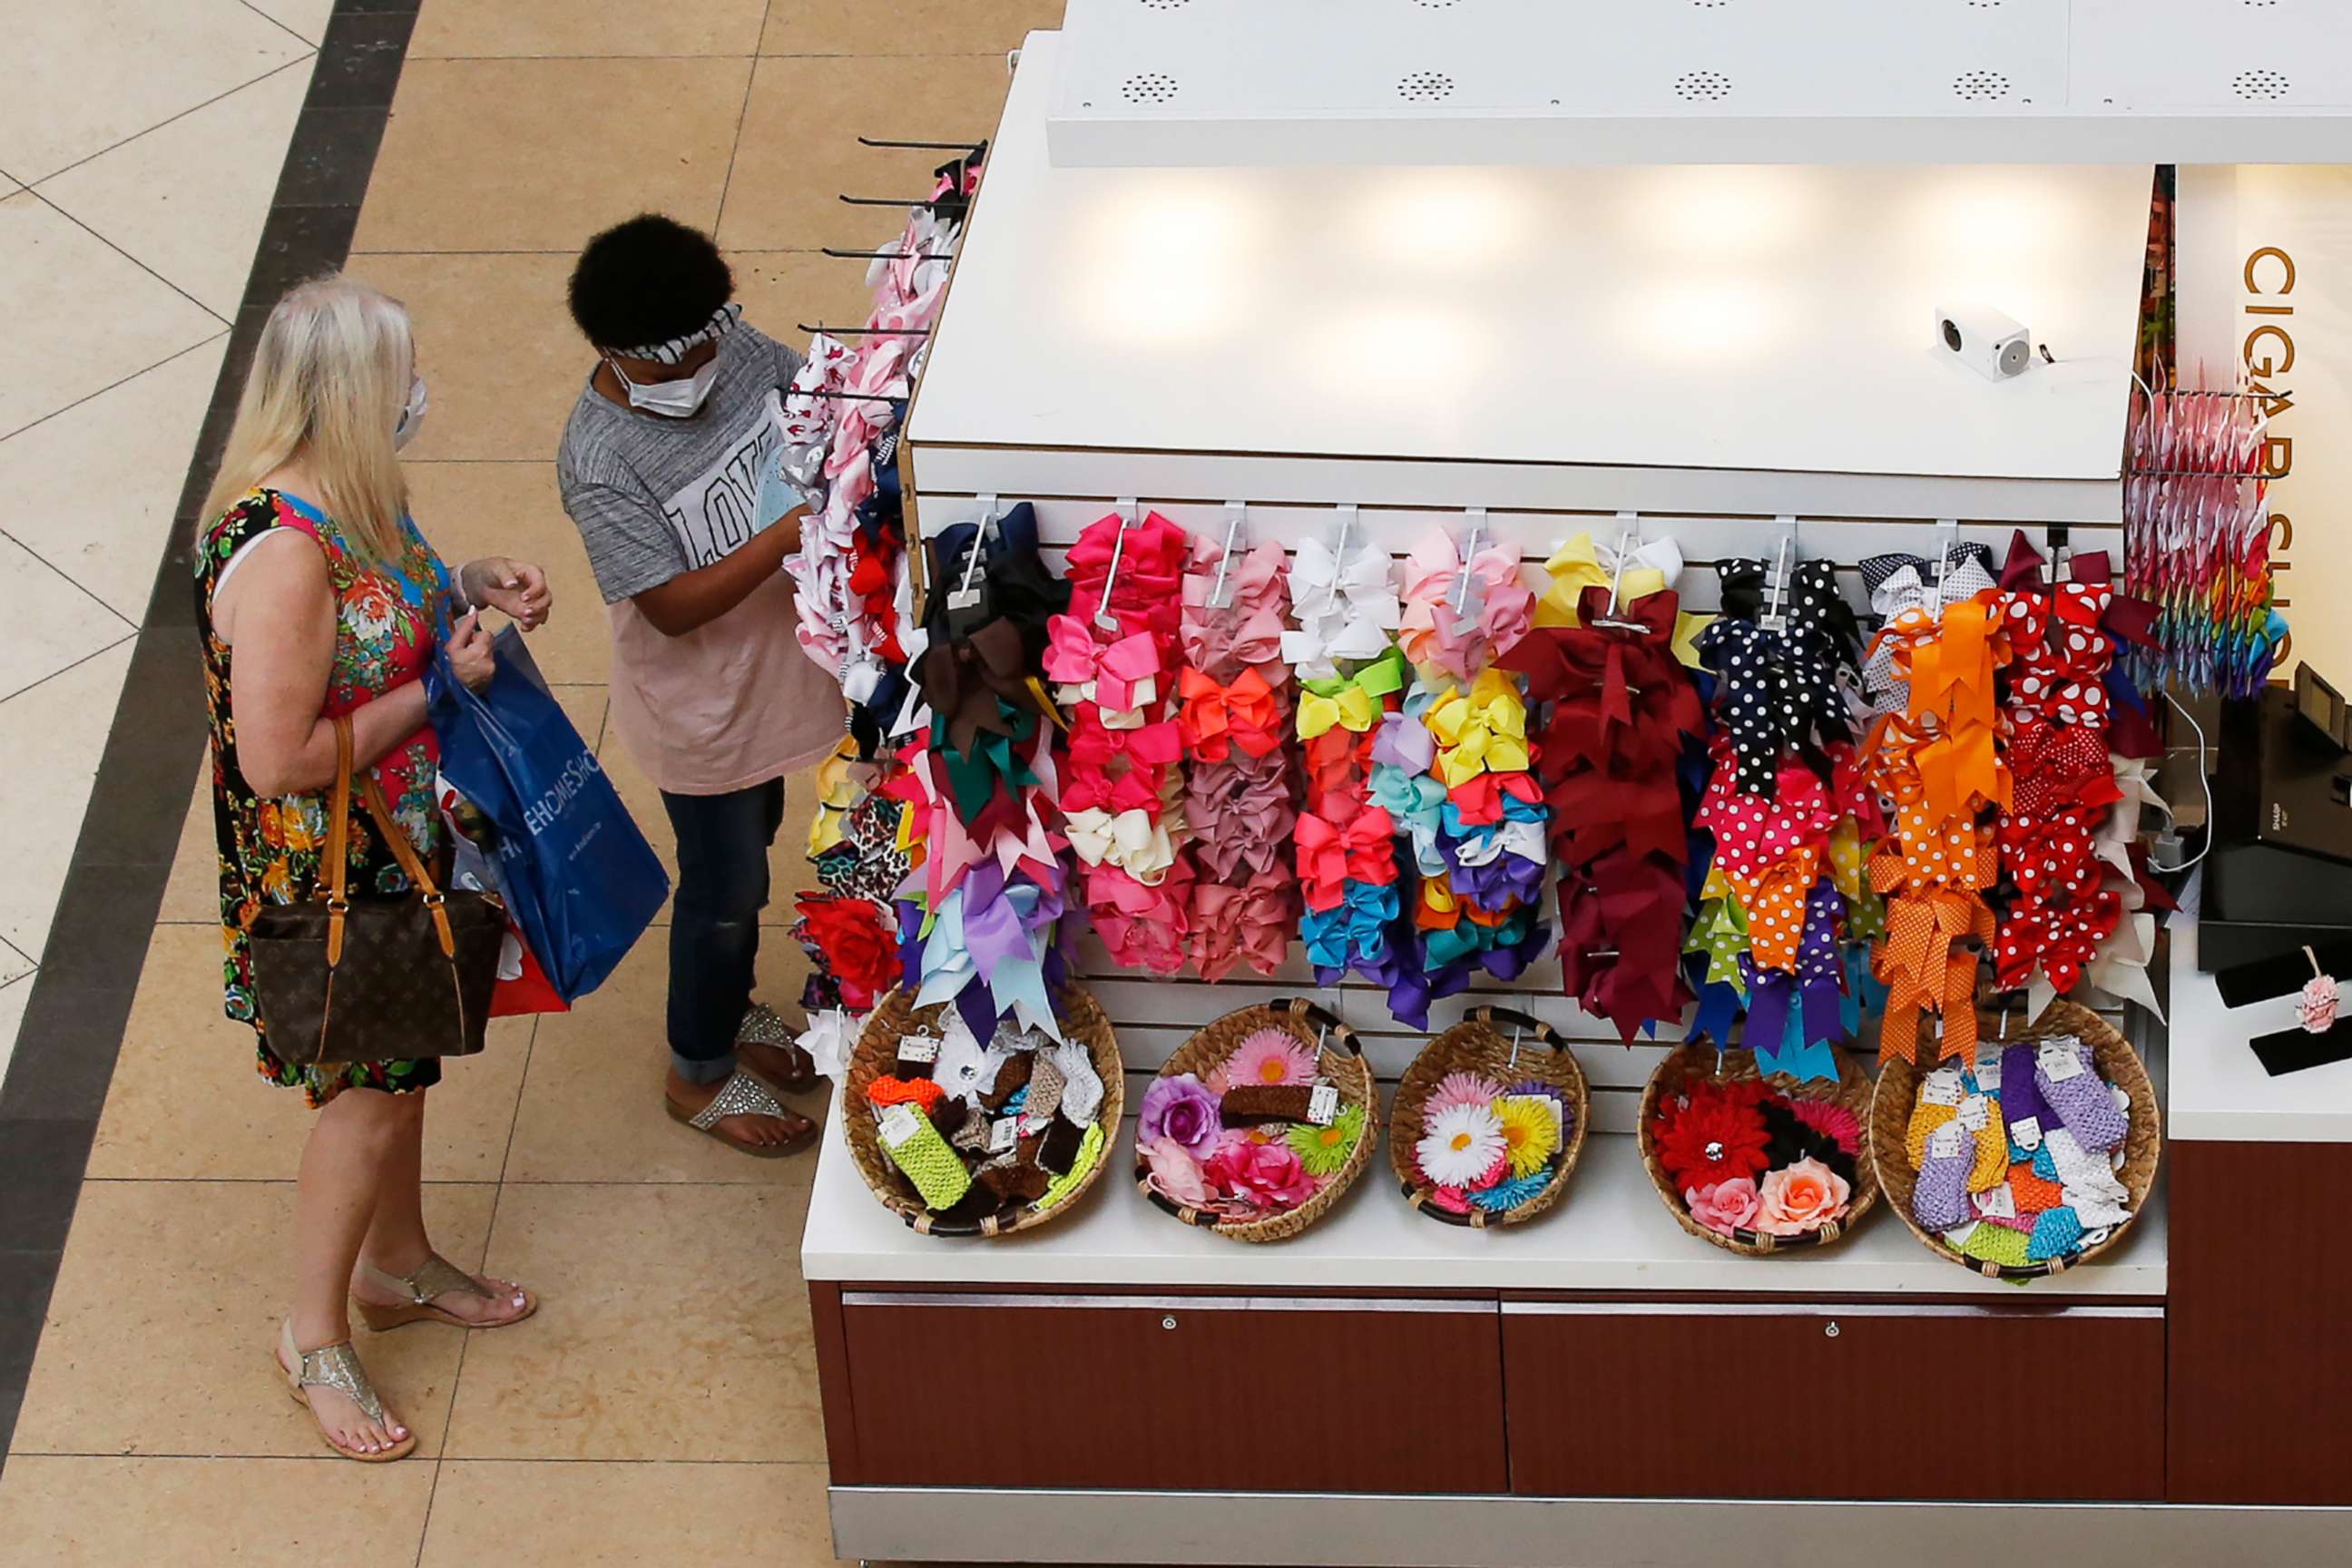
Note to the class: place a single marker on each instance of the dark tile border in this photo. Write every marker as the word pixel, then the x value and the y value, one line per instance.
pixel 80 998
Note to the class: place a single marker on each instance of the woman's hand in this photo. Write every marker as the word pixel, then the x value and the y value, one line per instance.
pixel 517 587
pixel 470 653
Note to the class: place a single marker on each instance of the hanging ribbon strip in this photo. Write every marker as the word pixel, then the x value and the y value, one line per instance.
pixel 1455 771
pixel 1233 715
pixel 1123 797
pixel 2070 910
pixel 1350 679
pixel 1937 760
pixel 1784 787
pixel 839 450
pixel 2197 541
pixel 978 916
pixel 1614 706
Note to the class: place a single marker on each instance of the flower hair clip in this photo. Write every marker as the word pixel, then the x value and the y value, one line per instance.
pixel 2315 1008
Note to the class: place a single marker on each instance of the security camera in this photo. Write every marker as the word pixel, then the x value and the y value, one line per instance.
pixel 1984 340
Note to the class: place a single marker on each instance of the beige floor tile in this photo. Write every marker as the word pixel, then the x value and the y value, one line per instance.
pixel 913 27
pixel 498 347
pixel 115 68
pixel 526 27
pixel 675 1327
pixel 307 18
pixel 53 625
pixel 80 1512
pixel 189 1279
pixel 540 155
pixel 192 892
pixel 81 316
pixel 618 1516
pixel 592 1107
pixel 188 197
pixel 91 491
pixel 800 152
pixel 52 736
pixel 186 1101
pixel 468 510
pixel 783 288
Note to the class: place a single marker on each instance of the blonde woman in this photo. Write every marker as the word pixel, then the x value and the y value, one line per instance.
pixel 316 598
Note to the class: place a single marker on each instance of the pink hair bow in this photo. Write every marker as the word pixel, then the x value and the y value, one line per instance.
pixel 1432 636
pixel 1123 675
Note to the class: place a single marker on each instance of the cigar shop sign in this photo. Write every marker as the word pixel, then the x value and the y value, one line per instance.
pixel 2265 299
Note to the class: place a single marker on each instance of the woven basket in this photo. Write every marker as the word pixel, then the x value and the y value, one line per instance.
pixel 1483 1044
pixel 1852 1090
pixel 876 1057
pixel 1899 1092
pixel 1341 1059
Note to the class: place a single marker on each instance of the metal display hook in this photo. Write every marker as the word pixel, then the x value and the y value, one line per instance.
pixel 1128 508
pixel 1629 536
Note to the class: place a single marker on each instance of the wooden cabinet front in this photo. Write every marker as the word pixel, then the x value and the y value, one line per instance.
pixel 1175 1393
pixel 2261 1350
pixel 1765 1400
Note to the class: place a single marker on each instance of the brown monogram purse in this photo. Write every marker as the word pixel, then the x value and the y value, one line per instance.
pixel 381 979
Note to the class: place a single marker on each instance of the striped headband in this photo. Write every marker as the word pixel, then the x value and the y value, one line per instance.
pixel 675 349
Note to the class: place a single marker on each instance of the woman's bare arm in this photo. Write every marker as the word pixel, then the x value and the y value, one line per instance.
pixel 278 615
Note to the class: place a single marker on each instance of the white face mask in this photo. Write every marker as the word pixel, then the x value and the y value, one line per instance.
pixel 412 414
pixel 672 399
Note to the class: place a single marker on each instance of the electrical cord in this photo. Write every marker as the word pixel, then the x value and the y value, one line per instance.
pixel 2204 782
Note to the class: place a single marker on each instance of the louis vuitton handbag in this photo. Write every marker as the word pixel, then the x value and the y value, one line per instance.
pixel 393 979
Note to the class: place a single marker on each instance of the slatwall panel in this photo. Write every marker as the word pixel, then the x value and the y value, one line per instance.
pixel 1154 1014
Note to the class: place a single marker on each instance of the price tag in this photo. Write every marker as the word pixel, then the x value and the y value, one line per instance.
pixel 1976 1111
pixel 899 1123
pixel 2059 1062
pixel 1948 1142
pixel 1004 1136
pixel 1988 1072
pixel 1943 1087
pixel 2026 1133
pixel 1323 1105
pixel 919 1050
pixel 1998 1204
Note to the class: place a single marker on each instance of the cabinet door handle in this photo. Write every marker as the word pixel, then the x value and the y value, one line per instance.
pixel 1830 1329
pixel 1168 1322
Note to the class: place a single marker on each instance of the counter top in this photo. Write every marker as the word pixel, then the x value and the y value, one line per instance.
pixel 2219 1092
pixel 1609 1233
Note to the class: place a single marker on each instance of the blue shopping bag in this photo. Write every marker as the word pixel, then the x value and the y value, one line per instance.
pixel 580 880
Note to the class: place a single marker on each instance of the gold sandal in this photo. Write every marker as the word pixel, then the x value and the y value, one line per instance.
pixel 743 1094
pixel 434 1277
pixel 336 1366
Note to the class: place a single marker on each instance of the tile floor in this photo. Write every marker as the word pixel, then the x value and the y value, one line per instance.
pixel 128 220
pixel 663 1406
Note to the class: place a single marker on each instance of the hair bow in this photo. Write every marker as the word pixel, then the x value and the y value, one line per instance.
pixel 1249 922
pixel 1215 718
pixel 1332 855
pixel 1493 798
pixel 1130 840
pixel 1354 931
pixel 1578 564
pixel 1481 730
pixel 2061 940
pixel 1345 610
pixel 1350 702
pixel 1432 636
pixel 969 681
pixel 1095 745
pixel 1122 675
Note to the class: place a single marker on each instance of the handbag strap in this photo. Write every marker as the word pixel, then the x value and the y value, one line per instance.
pixel 396 838
pixel 339 835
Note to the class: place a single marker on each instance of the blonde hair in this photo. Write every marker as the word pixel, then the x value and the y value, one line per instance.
pixel 328 380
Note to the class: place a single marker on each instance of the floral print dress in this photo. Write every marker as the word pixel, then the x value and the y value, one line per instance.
pixel 271 848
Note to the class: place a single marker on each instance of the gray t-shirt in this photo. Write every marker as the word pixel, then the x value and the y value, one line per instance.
pixel 655 497
pixel 734 702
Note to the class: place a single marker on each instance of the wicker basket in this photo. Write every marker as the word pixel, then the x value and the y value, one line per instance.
pixel 1852 1090
pixel 1341 1059
pixel 1483 1043
pixel 876 1057
pixel 1899 1092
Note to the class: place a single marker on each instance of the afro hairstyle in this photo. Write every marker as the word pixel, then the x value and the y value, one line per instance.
pixel 647 280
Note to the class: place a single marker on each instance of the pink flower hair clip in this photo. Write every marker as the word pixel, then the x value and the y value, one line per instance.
pixel 2315 1008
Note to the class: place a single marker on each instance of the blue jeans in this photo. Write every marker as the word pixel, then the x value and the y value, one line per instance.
pixel 714 930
